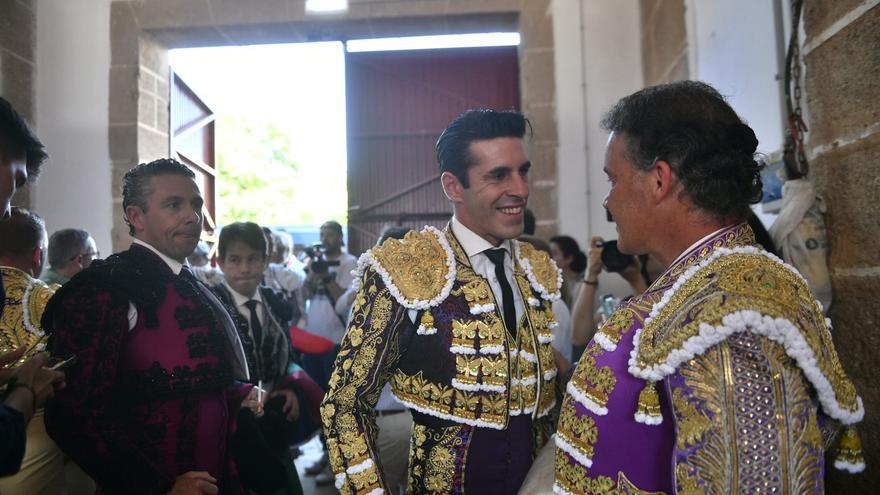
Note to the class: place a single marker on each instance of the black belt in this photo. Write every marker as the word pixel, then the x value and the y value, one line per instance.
pixel 389 412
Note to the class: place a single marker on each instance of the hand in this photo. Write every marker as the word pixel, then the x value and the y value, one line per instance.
pixel 43 380
pixel 562 364
pixel 594 258
pixel 8 358
pixel 194 483
pixel 255 400
pixel 291 404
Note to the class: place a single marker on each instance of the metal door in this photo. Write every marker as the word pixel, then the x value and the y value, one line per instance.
pixel 397 104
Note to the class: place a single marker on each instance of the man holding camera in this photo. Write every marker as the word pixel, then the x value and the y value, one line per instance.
pixel 329 276
pixel 722 376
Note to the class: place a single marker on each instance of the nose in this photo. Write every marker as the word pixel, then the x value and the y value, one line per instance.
pixel 519 186
pixel 605 201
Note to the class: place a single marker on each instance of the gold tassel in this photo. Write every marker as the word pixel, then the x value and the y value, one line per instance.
pixel 849 451
pixel 649 406
pixel 426 326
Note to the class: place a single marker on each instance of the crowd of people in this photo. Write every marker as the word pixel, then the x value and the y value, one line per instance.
pixel 476 358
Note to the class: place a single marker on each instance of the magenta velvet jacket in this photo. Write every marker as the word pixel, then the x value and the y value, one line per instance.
pixel 145 405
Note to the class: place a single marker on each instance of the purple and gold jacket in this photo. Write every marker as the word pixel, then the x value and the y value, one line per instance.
pixel 721 378
pixel 425 321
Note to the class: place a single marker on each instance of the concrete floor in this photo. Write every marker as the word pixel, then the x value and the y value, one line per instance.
pixel 311 452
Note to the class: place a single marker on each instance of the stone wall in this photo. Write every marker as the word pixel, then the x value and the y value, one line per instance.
pixel 841 91
pixel 17 61
pixel 664 41
pixel 141 33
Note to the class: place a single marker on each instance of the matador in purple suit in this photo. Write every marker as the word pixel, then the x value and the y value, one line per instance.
pixel 152 401
pixel 722 377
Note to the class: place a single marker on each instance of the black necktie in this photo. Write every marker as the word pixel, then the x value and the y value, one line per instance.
pixel 256 326
pixel 496 256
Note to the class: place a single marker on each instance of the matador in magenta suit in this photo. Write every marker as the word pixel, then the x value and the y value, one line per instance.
pixel 722 377
pixel 152 402
pixel 459 321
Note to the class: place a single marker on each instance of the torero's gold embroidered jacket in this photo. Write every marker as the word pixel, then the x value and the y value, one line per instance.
pixel 26 298
pixel 721 378
pixel 455 366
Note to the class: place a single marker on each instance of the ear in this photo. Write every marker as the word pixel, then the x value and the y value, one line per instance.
pixel 135 217
pixel 663 181
pixel 37 257
pixel 452 187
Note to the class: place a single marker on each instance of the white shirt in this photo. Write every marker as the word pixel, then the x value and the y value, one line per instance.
pixel 473 246
pixel 562 333
pixel 323 318
pixel 240 305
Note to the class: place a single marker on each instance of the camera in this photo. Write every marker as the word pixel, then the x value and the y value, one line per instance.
pixel 613 259
pixel 320 264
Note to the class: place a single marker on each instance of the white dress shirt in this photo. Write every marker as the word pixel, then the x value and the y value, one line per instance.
pixel 240 300
pixel 473 246
pixel 173 264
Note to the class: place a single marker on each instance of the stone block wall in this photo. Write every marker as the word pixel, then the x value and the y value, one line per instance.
pixel 664 41
pixel 842 59
pixel 17 62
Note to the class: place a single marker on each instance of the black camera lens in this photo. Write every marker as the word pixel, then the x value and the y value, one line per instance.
pixel 613 259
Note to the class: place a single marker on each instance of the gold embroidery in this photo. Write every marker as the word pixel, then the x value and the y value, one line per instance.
pixel 739 282
pixel 687 484
pixel 477 292
pixel 543 267
pixel 20 323
pixel 692 425
pixel 416 264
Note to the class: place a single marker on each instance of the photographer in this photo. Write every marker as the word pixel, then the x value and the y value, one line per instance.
pixel 612 260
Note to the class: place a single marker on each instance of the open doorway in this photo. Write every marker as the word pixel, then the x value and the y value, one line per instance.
pixel 279 124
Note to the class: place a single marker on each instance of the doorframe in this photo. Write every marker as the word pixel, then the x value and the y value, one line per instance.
pixel 141 33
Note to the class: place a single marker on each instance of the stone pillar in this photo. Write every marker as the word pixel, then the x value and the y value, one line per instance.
pixel 18 24
pixel 843 146
pixel 539 105
pixel 664 41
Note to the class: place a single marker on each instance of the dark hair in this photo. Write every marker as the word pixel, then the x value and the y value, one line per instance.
pixel 529 222
pixel 65 245
pixel 392 232
pixel 136 183
pixel 22 232
pixel 17 139
pixel 248 233
pixel 570 247
pixel 689 125
pixel 453 146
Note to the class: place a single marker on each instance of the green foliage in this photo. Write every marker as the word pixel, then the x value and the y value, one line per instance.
pixel 257 180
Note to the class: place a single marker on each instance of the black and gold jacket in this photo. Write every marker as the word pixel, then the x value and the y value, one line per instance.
pixel 425 321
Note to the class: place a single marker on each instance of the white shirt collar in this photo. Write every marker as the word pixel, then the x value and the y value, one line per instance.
pixel 699 241
pixel 471 242
pixel 175 265
pixel 239 298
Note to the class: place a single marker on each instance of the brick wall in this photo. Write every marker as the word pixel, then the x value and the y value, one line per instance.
pixel 17 60
pixel 841 90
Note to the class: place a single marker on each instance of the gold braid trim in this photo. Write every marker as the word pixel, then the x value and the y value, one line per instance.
pixel 745 290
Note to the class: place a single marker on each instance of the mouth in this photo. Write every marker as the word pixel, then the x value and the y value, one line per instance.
pixel 511 210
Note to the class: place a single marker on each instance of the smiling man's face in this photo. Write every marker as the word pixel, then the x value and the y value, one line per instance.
pixel 493 206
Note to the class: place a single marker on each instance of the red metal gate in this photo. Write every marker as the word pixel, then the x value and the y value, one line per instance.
pixel 397 104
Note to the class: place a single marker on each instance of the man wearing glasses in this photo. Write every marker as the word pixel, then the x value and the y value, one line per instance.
pixel 70 251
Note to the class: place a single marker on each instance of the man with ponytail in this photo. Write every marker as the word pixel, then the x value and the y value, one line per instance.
pixel 722 376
